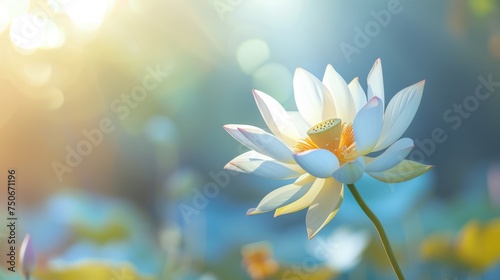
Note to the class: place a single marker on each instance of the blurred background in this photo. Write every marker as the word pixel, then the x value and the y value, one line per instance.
pixel 111 113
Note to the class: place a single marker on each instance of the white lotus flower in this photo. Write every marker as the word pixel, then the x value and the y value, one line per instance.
pixel 327 142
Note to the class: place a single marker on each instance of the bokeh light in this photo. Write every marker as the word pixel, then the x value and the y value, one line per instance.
pixel 251 54
pixel 275 79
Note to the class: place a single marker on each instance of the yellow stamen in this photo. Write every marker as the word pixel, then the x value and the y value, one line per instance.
pixel 347 144
pixel 305 145
pixel 326 134
pixel 332 135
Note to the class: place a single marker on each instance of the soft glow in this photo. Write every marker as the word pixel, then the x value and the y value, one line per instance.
pixel 208 276
pixel 37 73
pixel 88 14
pixel 277 13
pixel 54 37
pixel 182 182
pixel 274 79
pixel 342 249
pixel 28 32
pixel 33 31
pixel 161 129
pixel 252 54
pixel 136 5
pixel 55 99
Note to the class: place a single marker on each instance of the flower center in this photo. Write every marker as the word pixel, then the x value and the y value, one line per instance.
pixel 332 135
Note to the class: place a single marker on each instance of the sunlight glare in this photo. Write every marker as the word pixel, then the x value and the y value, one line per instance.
pixel 54 36
pixel 27 32
pixel 9 9
pixel 88 15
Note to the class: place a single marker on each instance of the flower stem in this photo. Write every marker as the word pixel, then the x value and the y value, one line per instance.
pixel 380 230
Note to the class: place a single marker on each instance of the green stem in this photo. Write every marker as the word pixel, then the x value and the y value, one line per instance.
pixel 380 230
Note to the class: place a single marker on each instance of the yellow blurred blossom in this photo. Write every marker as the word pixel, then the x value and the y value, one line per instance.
pixel 477 247
pixel 95 270
pixel 482 7
pixel 114 231
pixel 257 258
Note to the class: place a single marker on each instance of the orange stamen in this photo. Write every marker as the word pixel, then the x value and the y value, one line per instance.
pixel 343 148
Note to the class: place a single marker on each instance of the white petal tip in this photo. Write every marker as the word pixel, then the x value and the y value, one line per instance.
pixel 310 234
pixel 228 127
pixel 252 211
pixel 233 167
pixel 375 101
pixel 302 71
pixel 420 85
pixel 27 256
pixel 256 93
